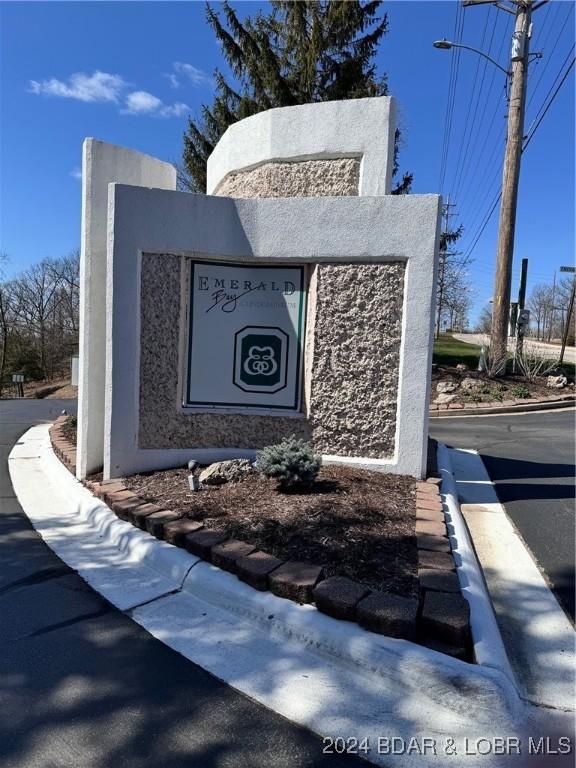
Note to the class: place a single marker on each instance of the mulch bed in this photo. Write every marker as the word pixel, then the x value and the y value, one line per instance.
pixel 70 429
pixel 354 522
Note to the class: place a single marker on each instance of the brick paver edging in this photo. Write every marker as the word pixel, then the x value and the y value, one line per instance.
pixel 439 618
pixel 506 406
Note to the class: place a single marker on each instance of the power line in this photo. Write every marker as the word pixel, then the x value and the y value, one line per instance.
pixel 454 69
pixel 533 131
pixel 468 124
pixel 547 106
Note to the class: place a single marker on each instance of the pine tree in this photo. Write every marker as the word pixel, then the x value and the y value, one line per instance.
pixel 300 52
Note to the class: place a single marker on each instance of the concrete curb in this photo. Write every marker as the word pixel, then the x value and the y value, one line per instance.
pixel 329 675
pixel 545 405
pixel 488 646
pixel 538 636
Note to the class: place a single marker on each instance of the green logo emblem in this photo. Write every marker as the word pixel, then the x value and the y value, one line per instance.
pixel 260 357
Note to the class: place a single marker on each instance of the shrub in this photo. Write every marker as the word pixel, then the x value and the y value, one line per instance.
pixel 520 391
pixel 292 462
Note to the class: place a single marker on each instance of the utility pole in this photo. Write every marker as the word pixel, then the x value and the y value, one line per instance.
pixel 518 74
pixel 510 180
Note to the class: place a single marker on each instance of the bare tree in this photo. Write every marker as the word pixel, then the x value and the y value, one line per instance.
pixel 539 304
pixel 484 324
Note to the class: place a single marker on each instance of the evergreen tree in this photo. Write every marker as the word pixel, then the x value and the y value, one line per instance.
pixel 300 52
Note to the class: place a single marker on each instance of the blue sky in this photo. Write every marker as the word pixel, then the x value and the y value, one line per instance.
pixel 130 73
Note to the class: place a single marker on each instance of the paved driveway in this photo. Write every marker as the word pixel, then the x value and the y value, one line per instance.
pixel 530 458
pixel 82 686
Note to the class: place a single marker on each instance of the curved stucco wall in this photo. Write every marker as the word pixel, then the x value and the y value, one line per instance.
pixel 308 178
pixel 359 128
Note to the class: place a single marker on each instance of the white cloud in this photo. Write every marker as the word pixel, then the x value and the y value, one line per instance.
pixel 141 103
pixel 173 80
pixel 144 103
pixel 76 173
pixel 193 74
pixel 98 87
pixel 175 110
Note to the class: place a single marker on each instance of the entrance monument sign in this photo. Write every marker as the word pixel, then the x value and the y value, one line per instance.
pixel 296 298
pixel 245 336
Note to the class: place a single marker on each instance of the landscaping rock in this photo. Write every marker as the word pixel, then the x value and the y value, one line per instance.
pixel 102 490
pixel 339 596
pixel 446 386
pixel 428 502
pixel 295 581
pixel 556 382
pixel 438 581
pixel 430 515
pixel 125 509
pixel 388 614
pixel 225 554
pixel 155 522
pixel 438 560
pixel 433 543
pixel 470 383
pixel 446 617
pixel 436 528
pixel 462 367
pixel 254 569
pixel 225 472
pixel 200 543
pixel 139 514
pixel 121 500
pixel 445 398
pixel 175 532
pixel 456 651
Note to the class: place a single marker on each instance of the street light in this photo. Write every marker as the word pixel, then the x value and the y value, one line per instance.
pixel 445 45
pixel 517 75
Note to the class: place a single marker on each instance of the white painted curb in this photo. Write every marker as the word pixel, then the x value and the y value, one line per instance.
pixel 488 646
pixel 328 675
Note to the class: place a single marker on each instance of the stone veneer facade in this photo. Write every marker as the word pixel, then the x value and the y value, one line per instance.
pixel 353 338
pixel 307 178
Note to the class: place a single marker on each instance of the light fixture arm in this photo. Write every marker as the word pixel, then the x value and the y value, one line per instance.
pixel 449 44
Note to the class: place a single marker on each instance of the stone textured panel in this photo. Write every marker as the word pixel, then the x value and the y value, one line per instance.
pixel 162 424
pixel 354 367
pixel 307 178
pixel 357 339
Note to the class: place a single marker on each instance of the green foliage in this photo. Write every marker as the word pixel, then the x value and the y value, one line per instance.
pixel 498 391
pixel 292 462
pixel 297 53
pixel 519 391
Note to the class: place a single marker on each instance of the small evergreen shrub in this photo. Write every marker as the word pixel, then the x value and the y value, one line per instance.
pixel 292 462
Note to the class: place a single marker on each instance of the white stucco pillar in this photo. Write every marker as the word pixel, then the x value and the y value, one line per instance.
pixel 102 164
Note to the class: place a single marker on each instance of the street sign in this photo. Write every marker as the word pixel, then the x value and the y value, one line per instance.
pixel 567 269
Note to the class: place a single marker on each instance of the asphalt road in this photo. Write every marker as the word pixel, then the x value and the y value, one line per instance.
pixel 530 459
pixel 82 686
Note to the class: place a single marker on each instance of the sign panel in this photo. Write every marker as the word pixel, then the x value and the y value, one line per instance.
pixel 245 336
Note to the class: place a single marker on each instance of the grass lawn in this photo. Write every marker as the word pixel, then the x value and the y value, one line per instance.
pixel 448 351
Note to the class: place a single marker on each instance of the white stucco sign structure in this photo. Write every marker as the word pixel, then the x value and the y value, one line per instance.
pixel 296 298
pixel 245 336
